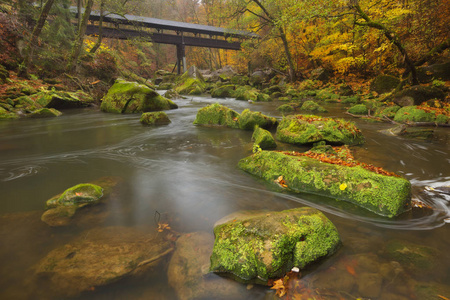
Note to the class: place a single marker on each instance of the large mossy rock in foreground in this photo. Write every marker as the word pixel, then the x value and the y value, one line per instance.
pixel 307 129
pixel 97 258
pixel 132 97
pixel 255 247
pixel 382 194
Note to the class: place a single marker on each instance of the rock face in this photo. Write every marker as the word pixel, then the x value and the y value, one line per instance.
pixel 99 257
pixel 132 97
pixel 384 84
pixel 257 246
pixel 381 194
pixel 263 139
pixel 306 129
pixel 188 271
pixel 417 94
pixel 155 118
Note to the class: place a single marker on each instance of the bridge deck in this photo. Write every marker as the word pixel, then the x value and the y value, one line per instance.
pixel 167 24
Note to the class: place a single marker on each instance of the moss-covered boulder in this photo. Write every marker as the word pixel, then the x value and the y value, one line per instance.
pixel 258 246
pixel 249 119
pixel 97 258
pixel 132 97
pixel 417 95
pixel 188 271
pixel 413 114
pixel 165 86
pixel 387 111
pixel 312 106
pixel 263 139
pixel 4 74
pixel 384 84
pixel 306 129
pixel 61 208
pixel 191 83
pixel 382 194
pixel 246 93
pixel 263 97
pixel 287 108
pixel 216 114
pixel 62 99
pixel 45 113
pixel 155 118
pixel 224 91
pixel 6 114
pixel 359 109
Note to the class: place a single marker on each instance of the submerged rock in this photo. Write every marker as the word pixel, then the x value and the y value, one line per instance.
pixel 257 246
pixel 188 271
pixel 62 208
pixel 99 257
pixel 263 139
pixel 155 118
pixel 132 97
pixel 306 129
pixel 381 194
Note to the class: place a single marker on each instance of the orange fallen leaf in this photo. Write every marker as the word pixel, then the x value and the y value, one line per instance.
pixel 278 285
pixel 351 270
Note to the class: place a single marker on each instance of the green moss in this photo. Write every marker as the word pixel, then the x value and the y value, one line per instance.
pixel 359 109
pixel 413 114
pixel 249 119
pixel 246 93
pixel 388 111
pixel 263 139
pixel 216 114
pixel 132 97
pixel 155 118
pixel 223 91
pixel 286 108
pixel 312 106
pixel 78 195
pixel 306 129
pixel 384 195
pixel 257 247
pixel 45 113
pixel 191 86
pixel 263 97
pixel 442 119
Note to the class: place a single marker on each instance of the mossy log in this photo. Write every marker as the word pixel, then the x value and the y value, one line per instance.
pixel 384 195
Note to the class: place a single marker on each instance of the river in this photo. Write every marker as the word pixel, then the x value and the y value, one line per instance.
pixel 189 175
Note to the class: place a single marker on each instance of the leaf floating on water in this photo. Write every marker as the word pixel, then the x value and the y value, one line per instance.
pixel 278 285
pixel 442 297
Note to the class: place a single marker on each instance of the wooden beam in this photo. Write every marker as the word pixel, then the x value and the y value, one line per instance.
pixel 163 38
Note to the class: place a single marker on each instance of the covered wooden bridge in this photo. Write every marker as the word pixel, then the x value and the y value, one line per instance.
pixel 161 31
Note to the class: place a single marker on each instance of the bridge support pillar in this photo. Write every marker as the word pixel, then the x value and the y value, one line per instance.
pixel 181 58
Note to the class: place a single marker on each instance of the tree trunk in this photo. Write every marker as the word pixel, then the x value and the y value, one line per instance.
pixel 35 35
pixel 79 14
pixel 292 76
pixel 391 36
pixel 100 29
pixel 76 48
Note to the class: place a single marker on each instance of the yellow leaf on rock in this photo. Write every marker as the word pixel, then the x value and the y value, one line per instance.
pixel 343 186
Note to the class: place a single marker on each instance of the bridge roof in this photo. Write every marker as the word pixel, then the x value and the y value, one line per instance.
pixel 167 24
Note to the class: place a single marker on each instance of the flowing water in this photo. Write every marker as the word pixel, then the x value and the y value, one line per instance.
pixel 188 177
